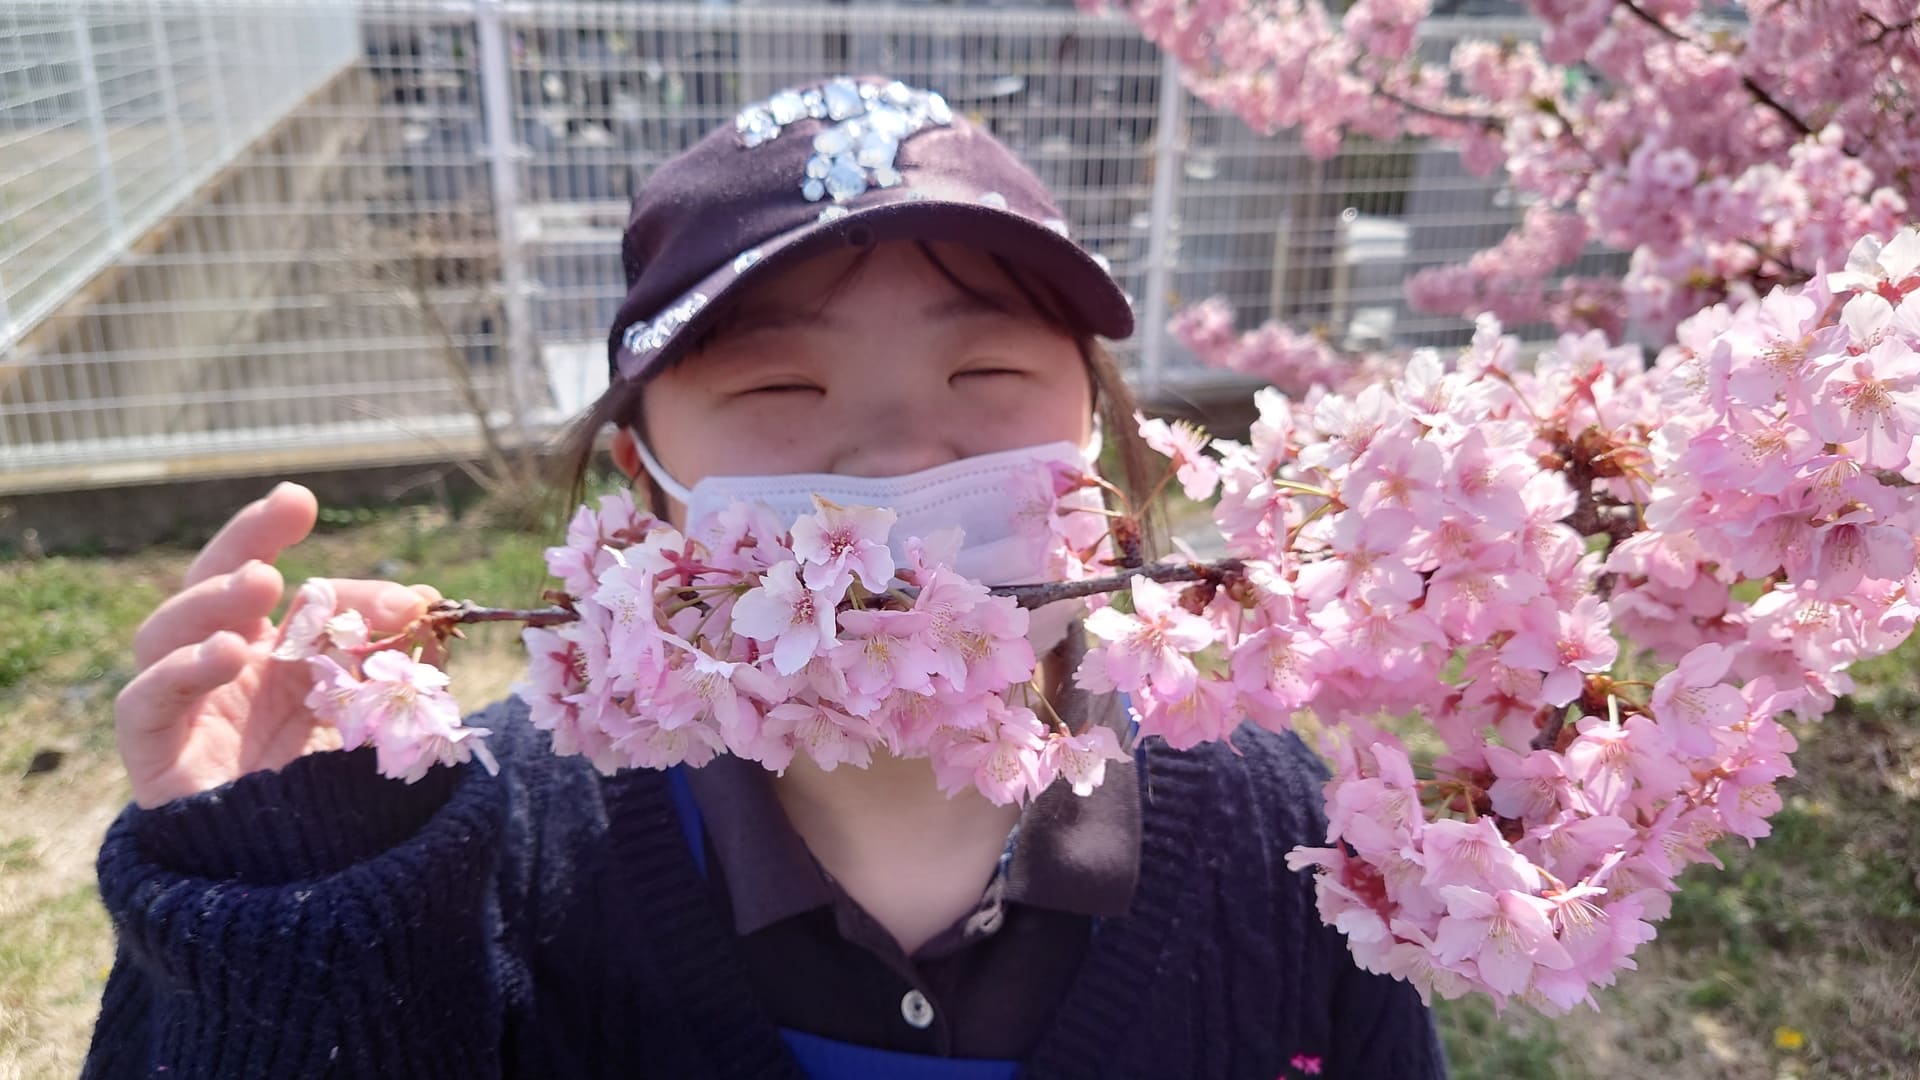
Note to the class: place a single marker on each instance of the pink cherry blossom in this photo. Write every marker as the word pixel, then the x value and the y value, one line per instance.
pixel 1001 757
pixel 1376 814
pixel 971 629
pixel 1576 642
pixel 1529 787
pixel 1202 712
pixel 1082 759
pixel 725 692
pixel 1871 402
pixel 1349 893
pixel 791 617
pixel 1691 702
pixel 1507 934
pixel 1367 560
pixel 1411 957
pixel 417 721
pixel 1873 265
pixel 649 744
pixel 1185 444
pixel 335 689
pixel 1273 671
pixel 881 652
pixel 1473 854
pixel 1746 799
pixel 1150 647
pixel 1610 760
pixel 825 734
pixel 304 633
pixel 837 542
pixel 1572 843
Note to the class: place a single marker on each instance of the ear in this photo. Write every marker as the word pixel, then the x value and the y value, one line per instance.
pixel 626 452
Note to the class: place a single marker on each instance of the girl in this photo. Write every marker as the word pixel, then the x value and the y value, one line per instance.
pixel 848 280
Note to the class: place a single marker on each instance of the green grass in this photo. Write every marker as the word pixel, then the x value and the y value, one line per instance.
pixel 1484 1045
pixel 64 614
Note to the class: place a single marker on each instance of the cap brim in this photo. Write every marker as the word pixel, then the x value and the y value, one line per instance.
pixel 1089 292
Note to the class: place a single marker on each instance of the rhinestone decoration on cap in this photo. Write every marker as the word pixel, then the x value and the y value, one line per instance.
pixel 866 124
pixel 644 337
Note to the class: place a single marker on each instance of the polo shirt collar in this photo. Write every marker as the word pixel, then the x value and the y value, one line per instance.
pixel 1070 853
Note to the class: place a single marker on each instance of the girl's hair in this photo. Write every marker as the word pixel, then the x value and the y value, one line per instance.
pixel 1113 400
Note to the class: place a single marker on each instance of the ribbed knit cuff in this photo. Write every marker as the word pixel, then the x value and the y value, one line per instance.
pixel 319 815
pixel 317 920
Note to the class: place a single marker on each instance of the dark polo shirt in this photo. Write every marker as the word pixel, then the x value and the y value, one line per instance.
pixel 987 986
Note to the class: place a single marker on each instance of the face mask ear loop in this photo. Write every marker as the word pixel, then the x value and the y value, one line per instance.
pixel 675 490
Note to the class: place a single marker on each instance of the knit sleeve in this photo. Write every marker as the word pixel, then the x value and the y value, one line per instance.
pixel 318 919
pixel 1382 1030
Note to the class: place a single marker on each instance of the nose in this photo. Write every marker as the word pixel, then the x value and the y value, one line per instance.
pixel 894 434
pixel 877 452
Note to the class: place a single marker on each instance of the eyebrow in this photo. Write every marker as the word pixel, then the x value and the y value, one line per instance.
pixel 773 317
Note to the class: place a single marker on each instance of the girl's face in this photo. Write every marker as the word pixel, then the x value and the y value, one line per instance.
pixel 875 370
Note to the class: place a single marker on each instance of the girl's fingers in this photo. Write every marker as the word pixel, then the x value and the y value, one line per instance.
pixel 239 601
pixel 387 606
pixel 261 531
pixel 160 698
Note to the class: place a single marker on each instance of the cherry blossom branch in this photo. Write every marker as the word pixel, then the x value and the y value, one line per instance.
pixel 1549 736
pixel 1484 121
pixel 1887 30
pixel 459 612
pixel 451 612
pixel 1033 596
pixel 1759 92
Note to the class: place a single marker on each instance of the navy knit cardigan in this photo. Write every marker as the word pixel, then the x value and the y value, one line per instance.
pixel 548 922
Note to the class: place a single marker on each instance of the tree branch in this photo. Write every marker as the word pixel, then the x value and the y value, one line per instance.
pixel 1033 596
pixel 1759 92
pixel 1548 737
pixel 455 612
pixel 452 612
pixel 1887 30
pixel 1486 121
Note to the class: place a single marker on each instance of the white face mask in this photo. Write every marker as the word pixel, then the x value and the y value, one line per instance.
pixel 998 501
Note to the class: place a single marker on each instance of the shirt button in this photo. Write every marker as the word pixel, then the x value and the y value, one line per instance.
pixel 916 1010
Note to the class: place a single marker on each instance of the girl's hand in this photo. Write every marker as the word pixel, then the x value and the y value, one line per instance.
pixel 210 704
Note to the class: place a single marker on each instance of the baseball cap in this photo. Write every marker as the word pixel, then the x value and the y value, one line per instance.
pixel 820 167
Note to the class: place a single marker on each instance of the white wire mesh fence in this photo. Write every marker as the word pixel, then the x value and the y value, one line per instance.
pixel 240 236
pixel 112 113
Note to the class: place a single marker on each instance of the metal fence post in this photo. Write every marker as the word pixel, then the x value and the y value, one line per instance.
pixel 1160 238
pixel 504 153
pixel 217 87
pixel 96 123
pixel 6 322
pixel 169 100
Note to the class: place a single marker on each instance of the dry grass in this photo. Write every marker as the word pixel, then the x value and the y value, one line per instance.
pixel 64 625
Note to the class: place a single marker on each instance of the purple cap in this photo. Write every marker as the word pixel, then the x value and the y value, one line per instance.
pixel 817 168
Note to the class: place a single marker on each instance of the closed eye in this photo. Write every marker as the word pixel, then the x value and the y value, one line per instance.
pixel 989 371
pixel 783 388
